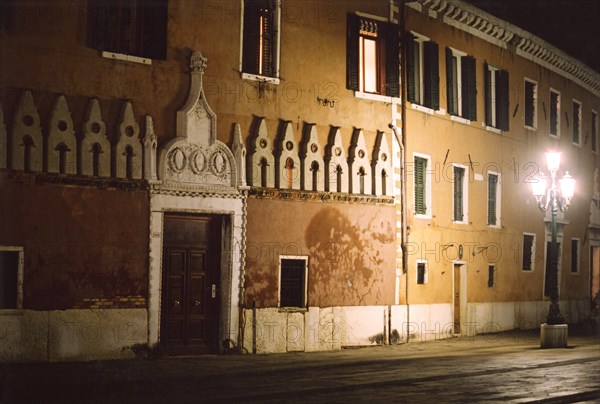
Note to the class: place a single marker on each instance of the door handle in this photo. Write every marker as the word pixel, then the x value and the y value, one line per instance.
pixel 176 302
pixel 197 303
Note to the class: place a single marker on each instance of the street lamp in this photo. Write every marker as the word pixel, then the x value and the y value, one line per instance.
pixel 554 332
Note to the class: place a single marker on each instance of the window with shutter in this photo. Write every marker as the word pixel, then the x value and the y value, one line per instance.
pixel 594 131
pixel 528 245
pixel 496 98
pixel 492 199
pixel 530 104
pixel 461 84
pixel 554 113
pixel 574 255
pixel 576 122
pixel 421 273
pixel 129 27
pixel 491 272
pixel 11 277
pixel 292 281
pixel 420 185
pixel 260 38
pixel 459 175
pixel 372 56
pixel 423 72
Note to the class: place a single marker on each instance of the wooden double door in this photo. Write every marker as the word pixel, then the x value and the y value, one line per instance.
pixel 191 290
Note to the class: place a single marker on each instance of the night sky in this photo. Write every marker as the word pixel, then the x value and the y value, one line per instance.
pixel 571 25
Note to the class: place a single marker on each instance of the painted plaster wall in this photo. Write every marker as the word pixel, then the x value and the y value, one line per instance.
pixel 517 155
pixel 89 244
pixel 350 247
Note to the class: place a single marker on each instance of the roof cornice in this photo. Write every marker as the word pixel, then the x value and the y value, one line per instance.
pixel 477 22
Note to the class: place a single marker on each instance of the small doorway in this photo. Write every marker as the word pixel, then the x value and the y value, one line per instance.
pixel 459 296
pixel 191 290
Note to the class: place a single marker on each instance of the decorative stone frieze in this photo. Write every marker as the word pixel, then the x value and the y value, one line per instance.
pixel 287 162
pixel 27 140
pixel 261 163
pixel 336 172
pixel 95 146
pixel 381 166
pixel 3 140
pixel 359 167
pixel 239 152
pixel 128 150
pixel 311 160
pixel 62 146
pixel 150 144
pixel 195 159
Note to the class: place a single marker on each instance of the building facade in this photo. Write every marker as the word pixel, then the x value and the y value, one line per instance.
pixel 198 177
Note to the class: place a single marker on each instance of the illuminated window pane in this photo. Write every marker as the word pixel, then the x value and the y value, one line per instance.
pixel 368 65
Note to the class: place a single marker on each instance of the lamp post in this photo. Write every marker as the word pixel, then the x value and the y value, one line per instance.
pixel 554 332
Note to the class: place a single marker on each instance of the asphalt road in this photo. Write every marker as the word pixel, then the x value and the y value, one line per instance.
pixel 496 368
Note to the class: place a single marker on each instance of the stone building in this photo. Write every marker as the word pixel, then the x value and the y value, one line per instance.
pixel 188 177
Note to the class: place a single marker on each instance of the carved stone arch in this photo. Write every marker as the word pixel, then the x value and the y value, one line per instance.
pixel 335 156
pixel 259 148
pixel 359 167
pixel 150 144
pixel 287 161
pixel 3 140
pixel 27 140
pixel 61 159
pixel 128 135
pixel 311 153
pixel 381 163
pixel 94 133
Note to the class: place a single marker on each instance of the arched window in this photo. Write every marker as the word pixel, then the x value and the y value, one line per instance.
pixel 128 162
pixel 27 146
pixel 62 157
pixel 263 172
pixel 314 168
pixel 96 150
pixel 361 174
pixel 338 173
pixel 289 170
pixel 383 182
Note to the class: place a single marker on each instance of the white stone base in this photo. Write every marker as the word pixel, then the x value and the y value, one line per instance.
pixel 554 336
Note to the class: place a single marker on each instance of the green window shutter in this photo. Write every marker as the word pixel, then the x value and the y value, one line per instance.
pixel 251 49
pixel 469 89
pixel 529 103
pixel 450 77
pixel 392 60
pixel 420 183
pixel 502 116
pixel 492 198
pixel 554 113
pixel 527 252
pixel 488 94
pixel 458 193
pixel 352 27
pixel 410 67
pixel 574 255
pixel 432 75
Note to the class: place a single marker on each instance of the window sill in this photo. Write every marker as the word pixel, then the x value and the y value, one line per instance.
pixel 460 222
pixel 258 77
pixel 421 216
pixel 460 119
pixel 576 144
pixel 554 136
pixel 293 309
pixel 421 108
pixel 126 58
pixel 494 226
pixel 376 97
pixel 533 128
pixel 493 130
pixel 11 312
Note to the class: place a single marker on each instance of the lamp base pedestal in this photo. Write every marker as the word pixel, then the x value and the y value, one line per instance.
pixel 553 336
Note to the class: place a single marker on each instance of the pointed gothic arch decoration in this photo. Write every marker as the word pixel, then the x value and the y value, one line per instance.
pixel 62 146
pixel 311 160
pixel 95 146
pixel 287 162
pixel 239 152
pixel 27 140
pixel 260 152
pixel 336 165
pixel 359 167
pixel 381 166
pixel 128 150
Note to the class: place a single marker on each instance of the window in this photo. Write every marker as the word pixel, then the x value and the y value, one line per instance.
pixel 528 251
pixel 421 272
pixel 574 255
pixel 260 47
pixel 493 199
pixel 11 277
pixel 423 72
pixel 422 186
pixel 576 122
pixel 372 56
pixel 554 113
pixel 496 98
pixel 491 280
pixel 530 104
pixel 130 27
pixel 461 90
pixel 594 131
pixel 459 194
pixel 292 290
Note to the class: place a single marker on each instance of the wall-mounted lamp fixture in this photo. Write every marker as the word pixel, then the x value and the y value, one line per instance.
pixel 477 250
pixel 324 102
